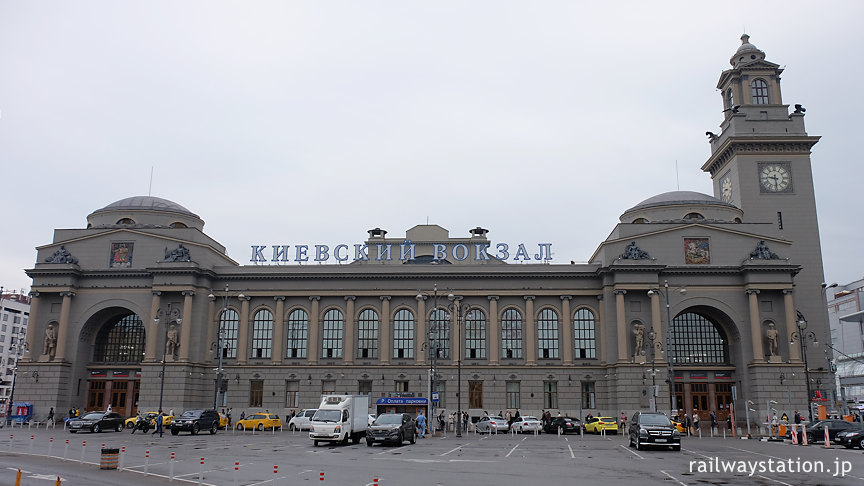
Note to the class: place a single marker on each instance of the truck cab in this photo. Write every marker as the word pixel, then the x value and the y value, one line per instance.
pixel 340 418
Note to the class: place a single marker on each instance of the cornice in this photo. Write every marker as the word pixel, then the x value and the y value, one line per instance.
pixel 734 146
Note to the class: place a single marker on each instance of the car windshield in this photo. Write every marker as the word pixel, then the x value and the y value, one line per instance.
pixel 254 417
pixel 388 419
pixel 606 419
pixel 191 414
pixel 92 416
pixel 327 416
pixel 526 418
pixel 652 419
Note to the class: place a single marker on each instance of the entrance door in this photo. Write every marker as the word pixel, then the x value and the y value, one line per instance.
pixel 723 395
pixel 118 396
pixel 96 396
pixel 699 398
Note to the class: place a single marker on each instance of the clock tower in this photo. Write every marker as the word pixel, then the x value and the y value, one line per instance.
pixel 760 162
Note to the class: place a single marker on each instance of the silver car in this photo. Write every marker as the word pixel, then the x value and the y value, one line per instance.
pixel 303 420
pixel 488 424
pixel 527 423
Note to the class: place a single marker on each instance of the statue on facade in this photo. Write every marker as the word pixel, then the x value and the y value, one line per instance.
pixel 179 254
pixel 61 256
pixel 49 345
pixel 762 252
pixel 772 334
pixel 633 252
pixel 172 341
pixel 638 339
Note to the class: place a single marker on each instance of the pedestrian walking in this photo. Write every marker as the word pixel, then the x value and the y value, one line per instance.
pixel 421 424
pixel 50 418
pixel 695 422
pixel 465 421
pixel 713 421
pixel 159 419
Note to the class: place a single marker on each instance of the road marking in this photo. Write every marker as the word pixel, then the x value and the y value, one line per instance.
pixel 471 460
pixel 632 452
pixel 453 450
pixel 776 481
pixel 757 453
pixel 673 478
pixel 514 448
pixel 392 450
pixel 696 453
pixel 572 456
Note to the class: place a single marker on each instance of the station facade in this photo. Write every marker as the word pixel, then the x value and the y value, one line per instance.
pixel 693 301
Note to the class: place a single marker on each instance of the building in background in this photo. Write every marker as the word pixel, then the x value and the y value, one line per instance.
pixel 846 318
pixel 14 317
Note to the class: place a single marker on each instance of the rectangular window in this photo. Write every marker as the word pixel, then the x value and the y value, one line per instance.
pixel 513 395
pixel 256 393
pixel 328 387
pixel 441 388
pixel 550 394
pixel 475 394
pixel 292 394
pixel 588 395
pixel 364 387
pixel 400 386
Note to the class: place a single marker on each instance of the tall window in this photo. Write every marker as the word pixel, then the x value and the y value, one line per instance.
pixel 441 388
pixel 364 387
pixel 547 334
pixel 367 334
pixel 400 386
pixel 403 334
pixel 439 323
pixel 332 338
pixel 228 322
pixel 256 393
pixel 475 334
pixel 730 100
pixel 759 92
pixel 588 394
pixel 583 334
pixel 511 334
pixel 513 394
pixel 298 334
pixel 120 342
pixel 697 340
pixel 262 334
pixel 475 394
pixel 328 387
pixel 550 394
pixel 292 394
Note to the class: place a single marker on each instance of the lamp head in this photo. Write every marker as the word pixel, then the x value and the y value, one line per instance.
pixel 451 297
pixel 419 297
pixel 682 290
pixel 241 296
pixel 211 296
pixel 651 292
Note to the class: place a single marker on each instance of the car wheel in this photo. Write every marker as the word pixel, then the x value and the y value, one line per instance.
pixel 213 429
pixel 369 442
pixel 810 438
pixel 260 427
pixel 315 442
pixel 291 427
pixel 861 444
pixel 240 427
pixel 630 441
pixel 72 431
pixel 400 439
pixel 175 431
pixel 119 428
pixel 413 439
pixel 195 429
pixel 638 445
pixel 130 425
pixel 95 429
pixel 676 448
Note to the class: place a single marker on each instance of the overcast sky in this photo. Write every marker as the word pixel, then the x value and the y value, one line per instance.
pixel 311 122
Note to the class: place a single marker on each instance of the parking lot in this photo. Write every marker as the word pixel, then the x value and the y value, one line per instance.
pixel 501 459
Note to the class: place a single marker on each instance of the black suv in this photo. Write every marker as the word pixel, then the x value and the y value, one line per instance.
pixel 195 421
pixel 653 429
pixel 391 427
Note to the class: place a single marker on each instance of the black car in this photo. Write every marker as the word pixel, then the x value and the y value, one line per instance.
pixel 653 429
pixel 816 431
pixel 97 422
pixel 391 427
pixel 195 421
pixel 568 425
pixel 852 437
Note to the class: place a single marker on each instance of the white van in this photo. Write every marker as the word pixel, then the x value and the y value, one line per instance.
pixel 302 420
pixel 340 418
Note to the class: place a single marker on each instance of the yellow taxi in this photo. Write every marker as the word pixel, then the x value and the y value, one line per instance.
pixel 679 425
pixel 166 419
pixel 597 424
pixel 223 421
pixel 260 421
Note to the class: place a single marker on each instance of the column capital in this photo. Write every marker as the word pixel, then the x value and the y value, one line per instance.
pixel 384 297
pixel 314 298
pixel 156 293
pixel 619 292
pixel 34 294
pixel 752 292
pixel 600 298
pixel 188 293
pixel 351 298
pixel 67 293
pixel 493 297
pixel 244 298
pixel 788 291
pixel 528 297
pixel 279 298
pixel 566 297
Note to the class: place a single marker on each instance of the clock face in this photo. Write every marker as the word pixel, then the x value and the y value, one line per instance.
pixel 726 189
pixel 774 177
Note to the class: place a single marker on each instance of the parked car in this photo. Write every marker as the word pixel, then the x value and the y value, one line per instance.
pixel 97 422
pixel 568 425
pixel 391 427
pixel 223 420
pixel 816 431
pixel 302 420
pixel 259 421
pixel 371 418
pixel 598 424
pixel 487 424
pixel 851 437
pixel 526 423
pixel 194 421
pixel 166 419
pixel 653 429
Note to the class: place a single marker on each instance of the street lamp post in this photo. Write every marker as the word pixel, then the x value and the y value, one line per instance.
pixel 461 313
pixel 802 336
pixel 432 349
pixel 19 347
pixel 170 315
pixel 655 346
pixel 670 354
pixel 221 344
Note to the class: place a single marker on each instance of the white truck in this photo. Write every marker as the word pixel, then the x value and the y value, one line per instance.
pixel 340 418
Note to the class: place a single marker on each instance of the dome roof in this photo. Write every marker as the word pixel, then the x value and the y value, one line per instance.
pixel 147 203
pixel 746 53
pixel 678 198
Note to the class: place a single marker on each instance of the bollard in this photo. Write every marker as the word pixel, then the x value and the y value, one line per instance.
pixel 236 469
pixel 375 481
pixel 18 478
pixel 171 468
pixel 50 444
pixel 201 472
pixel 32 438
pixel 83 448
pixel 11 436
pixel 827 442
pixel 65 449
pixel 321 477
pixel 724 433
pixel 275 473
pixel 58 482
pixel 700 432
pixel 804 435
pixel 581 432
pixel 559 431
pixel 122 455
pixel 146 461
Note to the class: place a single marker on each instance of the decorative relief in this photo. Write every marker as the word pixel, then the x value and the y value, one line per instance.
pixel 179 254
pixel 762 252
pixel 697 251
pixel 633 252
pixel 61 256
pixel 121 255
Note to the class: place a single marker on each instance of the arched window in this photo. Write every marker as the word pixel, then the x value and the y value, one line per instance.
pixel 583 334
pixel 439 324
pixel 177 225
pixel 403 334
pixel 332 337
pixel 696 340
pixel 759 92
pixel 547 334
pixel 262 334
pixel 640 221
pixel 511 334
pixel 126 221
pixel 367 334
pixel 298 334
pixel 121 341
pixel 693 216
pixel 475 334
pixel 228 321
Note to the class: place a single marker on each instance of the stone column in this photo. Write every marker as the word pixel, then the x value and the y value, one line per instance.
pixel 755 327
pixel 186 327
pixel 348 344
pixel 32 330
pixel 243 331
pixel 656 323
pixel 494 331
pixel 212 333
pixel 600 330
pixel 385 346
pixel 152 329
pixel 621 321
pixel 63 332
pixel 791 326
pixel 530 332
pixel 422 358
pixel 278 331
pixel 314 329
pixel 567 325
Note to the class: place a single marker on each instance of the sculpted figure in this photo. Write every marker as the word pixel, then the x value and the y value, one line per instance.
pixel 638 339
pixel 772 335
pixel 172 342
pixel 49 346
